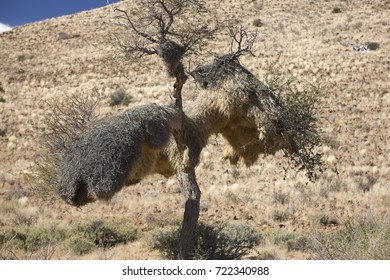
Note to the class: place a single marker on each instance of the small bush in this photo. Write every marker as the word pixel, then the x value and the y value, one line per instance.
pixel 230 241
pixel 16 192
pixel 281 197
pixel 120 97
pixel 298 243
pixel 372 46
pixel 327 220
pixel 65 122
pixel 166 241
pixel 280 215
pixel 2 100
pixel 93 233
pixel 80 244
pixel 366 184
pixel 293 241
pixel 257 22
pixel 21 58
pixel 336 10
pixel 23 219
pixel 3 131
pixel 33 238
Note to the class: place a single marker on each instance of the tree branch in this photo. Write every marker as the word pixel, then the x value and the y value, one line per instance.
pixel 135 29
pixel 244 41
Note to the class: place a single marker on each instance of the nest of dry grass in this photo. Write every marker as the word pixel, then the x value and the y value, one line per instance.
pixel 262 119
pixel 117 150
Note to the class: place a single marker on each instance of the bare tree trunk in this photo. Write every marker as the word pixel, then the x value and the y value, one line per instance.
pixel 191 192
pixel 185 175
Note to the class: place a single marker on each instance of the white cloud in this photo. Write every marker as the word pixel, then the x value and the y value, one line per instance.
pixel 4 27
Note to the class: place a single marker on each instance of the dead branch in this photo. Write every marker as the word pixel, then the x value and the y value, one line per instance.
pixel 243 40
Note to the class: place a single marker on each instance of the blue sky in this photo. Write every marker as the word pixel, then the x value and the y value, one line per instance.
pixel 19 12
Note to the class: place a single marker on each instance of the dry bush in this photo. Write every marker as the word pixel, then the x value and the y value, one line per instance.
pixel 65 122
pixel 93 233
pixel 366 184
pixel 372 46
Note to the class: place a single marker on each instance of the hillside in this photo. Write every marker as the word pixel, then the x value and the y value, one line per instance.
pixel 48 60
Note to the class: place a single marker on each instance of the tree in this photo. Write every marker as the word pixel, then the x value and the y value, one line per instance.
pixel 156 33
pixel 252 117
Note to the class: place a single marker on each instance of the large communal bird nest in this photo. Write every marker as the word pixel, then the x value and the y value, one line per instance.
pixel 258 118
pixel 118 150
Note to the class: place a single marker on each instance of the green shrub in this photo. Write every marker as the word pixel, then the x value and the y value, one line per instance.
pixel 372 46
pixel 290 240
pixel 336 10
pixel 36 238
pixel 257 22
pixel 87 235
pixel 120 97
pixel 166 240
pixel 280 215
pixel 3 130
pixel 80 244
pixel 229 241
pixel 327 220
pixel 33 238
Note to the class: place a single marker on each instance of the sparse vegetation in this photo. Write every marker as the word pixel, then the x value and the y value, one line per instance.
pixel 3 131
pixel 280 215
pixel 327 220
pixel 229 241
pixel 291 240
pixel 372 46
pixel 120 97
pixel 102 234
pixel 280 196
pixel 41 242
pixel 258 22
pixel 265 255
pixel 65 122
pixel 336 10
pixel 366 184
pixel 35 242
pixel 361 239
